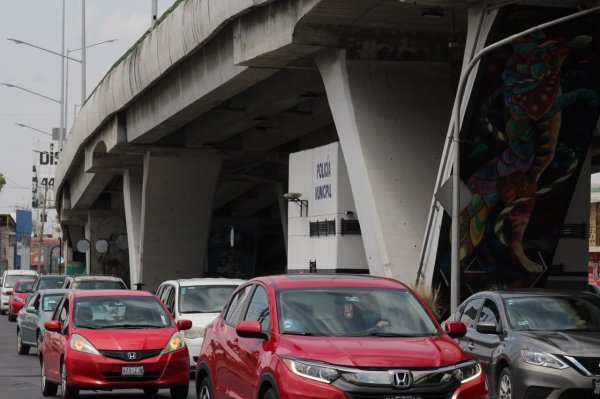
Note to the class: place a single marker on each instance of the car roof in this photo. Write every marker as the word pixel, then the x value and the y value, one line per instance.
pixel 21 271
pixel 50 291
pixel 96 293
pixel 96 278
pixel 329 280
pixel 51 276
pixel 23 279
pixel 187 282
pixel 536 292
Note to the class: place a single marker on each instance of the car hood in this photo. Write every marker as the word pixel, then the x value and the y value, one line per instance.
pixel 134 339
pixel 575 343
pixel 198 319
pixel 435 351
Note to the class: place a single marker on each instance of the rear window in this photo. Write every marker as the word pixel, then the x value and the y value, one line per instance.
pixel 50 283
pixel 204 298
pixel 24 286
pixel 99 285
pixel 11 279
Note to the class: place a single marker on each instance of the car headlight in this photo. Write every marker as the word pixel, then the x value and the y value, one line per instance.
pixel 17 299
pixel 176 342
pixel 543 359
pixel 80 344
pixel 312 370
pixel 194 332
pixel 467 372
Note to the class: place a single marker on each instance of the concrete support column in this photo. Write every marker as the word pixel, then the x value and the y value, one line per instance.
pixel 132 198
pixel 109 226
pixel 391 119
pixel 178 192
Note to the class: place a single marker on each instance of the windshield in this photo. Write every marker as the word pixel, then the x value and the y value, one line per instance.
pixel 99 285
pixel 50 301
pixel 50 282
pixel 204 298
pixel 120 312
pixel 24 286
pixel 11 279
pixel 553 313
pixel 352 311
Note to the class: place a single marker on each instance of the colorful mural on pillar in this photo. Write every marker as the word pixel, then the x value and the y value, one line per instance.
pixel 527 130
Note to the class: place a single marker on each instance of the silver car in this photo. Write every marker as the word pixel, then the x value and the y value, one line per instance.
pixel 535 344
pixel 30 321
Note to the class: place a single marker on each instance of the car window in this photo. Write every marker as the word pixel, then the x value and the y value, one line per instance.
pixel 471 309
pixel 258 309
pixel 160 290
pixel 99 285
pixel 165 294
pixel 62 315
pixel 236 305
pixel 50 301
pixel 489 312
pixel 23 286
pixel 34 301
pixel 204 298
pixel 170 299
pixel 49 283
pixel 131 312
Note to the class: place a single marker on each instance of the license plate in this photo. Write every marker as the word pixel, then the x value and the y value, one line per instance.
pixel 596 386
pixel 132 371
pixel 402 397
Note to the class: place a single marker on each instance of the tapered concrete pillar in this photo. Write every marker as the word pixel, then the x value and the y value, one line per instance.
pixel 391 119
pixel 178 191
pixel 132 198
pixel 107 256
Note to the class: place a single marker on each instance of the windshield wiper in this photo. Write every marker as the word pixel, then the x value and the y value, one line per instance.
pixel 200 311
pixel 305 333
pixel 384 334
pixel 134 326
pixel 88 327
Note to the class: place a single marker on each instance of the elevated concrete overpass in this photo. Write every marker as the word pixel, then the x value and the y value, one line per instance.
pixel 189 134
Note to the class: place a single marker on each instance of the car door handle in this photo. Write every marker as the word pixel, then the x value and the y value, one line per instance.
pixel 471 346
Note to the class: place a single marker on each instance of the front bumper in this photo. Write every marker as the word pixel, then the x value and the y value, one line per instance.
pixel 546 383
pixel 297 387
pixel 86 371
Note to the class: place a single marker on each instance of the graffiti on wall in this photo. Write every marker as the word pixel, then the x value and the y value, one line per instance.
pixel 526 133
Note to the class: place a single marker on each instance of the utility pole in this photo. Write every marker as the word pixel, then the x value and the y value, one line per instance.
pixel 41 237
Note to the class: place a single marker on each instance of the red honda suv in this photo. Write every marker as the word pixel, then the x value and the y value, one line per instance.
pixel 333 337
pixel 113 339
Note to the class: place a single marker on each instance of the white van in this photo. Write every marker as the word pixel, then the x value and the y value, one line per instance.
pixel 9 278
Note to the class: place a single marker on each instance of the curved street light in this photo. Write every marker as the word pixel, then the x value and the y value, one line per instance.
pixel 29 91
pixel 33 128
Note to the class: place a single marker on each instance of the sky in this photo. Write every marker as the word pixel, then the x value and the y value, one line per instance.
pixel 39 22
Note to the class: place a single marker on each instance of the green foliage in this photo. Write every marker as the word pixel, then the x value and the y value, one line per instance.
pixel 2 181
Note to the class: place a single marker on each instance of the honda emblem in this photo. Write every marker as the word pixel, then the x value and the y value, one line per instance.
pixel 131 355
pixel 401 379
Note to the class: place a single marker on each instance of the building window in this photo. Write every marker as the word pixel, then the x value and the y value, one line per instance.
pixel 574 230
pixel 349 227
pixel 322 228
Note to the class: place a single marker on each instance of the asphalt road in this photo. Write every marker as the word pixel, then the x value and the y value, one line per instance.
pixel 20 375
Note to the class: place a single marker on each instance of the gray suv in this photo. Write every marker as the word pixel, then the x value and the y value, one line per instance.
pixel 535 344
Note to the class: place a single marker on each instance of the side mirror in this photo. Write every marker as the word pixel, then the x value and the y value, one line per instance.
pixel 487 327
pixel 184 325
pixel 52 325
pixel 455 329
pixel 30 309
pixel 250 329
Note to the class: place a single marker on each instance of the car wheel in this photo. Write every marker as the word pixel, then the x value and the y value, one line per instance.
pixel 48 388
pixel 67 391
pixel 505 388
pixel 180 392
pixel 270 394
pixel 39 338
pixel 22 349
pixel 11 317
pixel 150 391
pixel 205 389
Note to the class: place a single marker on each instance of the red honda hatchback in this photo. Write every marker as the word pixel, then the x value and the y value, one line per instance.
pixel 333 337
pixel 17 298
pixel 113 339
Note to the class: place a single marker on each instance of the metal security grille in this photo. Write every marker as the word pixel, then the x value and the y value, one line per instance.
pixel 349 227
pixel 322 228
pixel 574 230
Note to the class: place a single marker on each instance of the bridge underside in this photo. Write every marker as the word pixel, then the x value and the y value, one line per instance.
pixel 184 146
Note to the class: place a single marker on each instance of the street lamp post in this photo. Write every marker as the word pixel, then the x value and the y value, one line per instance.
pixel 29 91
pixel 33 128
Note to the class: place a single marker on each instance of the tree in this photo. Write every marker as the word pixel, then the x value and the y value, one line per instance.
pixel 2 181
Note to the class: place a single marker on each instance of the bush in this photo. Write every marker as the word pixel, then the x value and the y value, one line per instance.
pixel 432 298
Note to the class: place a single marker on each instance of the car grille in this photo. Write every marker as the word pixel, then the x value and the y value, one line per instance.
pixel 578 394
pixel 403 394
pixel 125 355
pixel 117 377
pixel 592 364
pixel 538 392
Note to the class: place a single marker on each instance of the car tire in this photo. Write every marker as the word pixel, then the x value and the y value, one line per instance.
pixel 48 388
pixel 505 385
pixel 12 318
pixel 150 391
pixel 66 391
pixel 270 394
pixel 205 389
pixel 180 392
pixel 22 349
